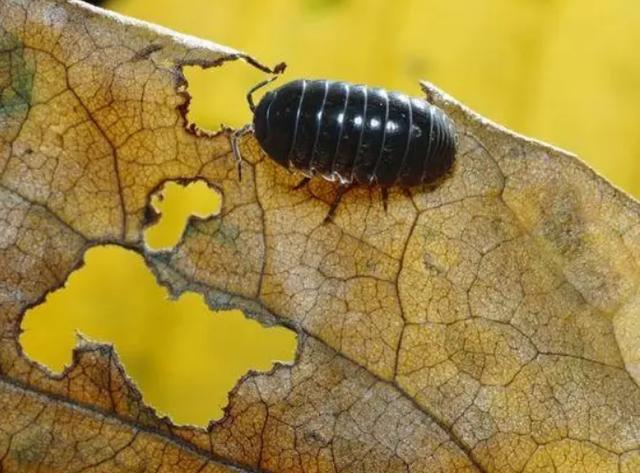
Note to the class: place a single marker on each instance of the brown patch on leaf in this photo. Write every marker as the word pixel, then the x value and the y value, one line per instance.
pixel 484 325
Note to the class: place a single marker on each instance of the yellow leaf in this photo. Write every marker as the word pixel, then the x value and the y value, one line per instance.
pixel 485 325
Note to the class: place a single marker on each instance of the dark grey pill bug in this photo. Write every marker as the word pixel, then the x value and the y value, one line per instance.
pixel 352 134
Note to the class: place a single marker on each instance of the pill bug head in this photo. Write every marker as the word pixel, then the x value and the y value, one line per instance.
pixel 273 139
pixel 260 123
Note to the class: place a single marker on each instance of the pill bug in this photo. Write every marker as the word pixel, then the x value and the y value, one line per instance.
pixel 352 134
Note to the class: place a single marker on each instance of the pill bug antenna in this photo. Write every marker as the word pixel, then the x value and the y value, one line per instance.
pixel 248 128
pixel 256 87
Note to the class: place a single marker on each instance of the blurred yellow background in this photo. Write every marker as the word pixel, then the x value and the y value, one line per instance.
pixel 564 71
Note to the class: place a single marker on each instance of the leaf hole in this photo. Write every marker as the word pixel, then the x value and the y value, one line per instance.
pixel 218 95
pixel 183 357
pixel 171 207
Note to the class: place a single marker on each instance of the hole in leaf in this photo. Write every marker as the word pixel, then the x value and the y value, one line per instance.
pixel 183 357
pixel 218 95
pixel 176 203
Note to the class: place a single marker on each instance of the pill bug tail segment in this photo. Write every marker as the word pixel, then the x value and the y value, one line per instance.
pixel 235 136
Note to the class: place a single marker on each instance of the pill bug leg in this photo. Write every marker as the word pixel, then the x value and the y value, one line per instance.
pixel 334 205
pixel 385 198
pixel 302 183
pixel 235 136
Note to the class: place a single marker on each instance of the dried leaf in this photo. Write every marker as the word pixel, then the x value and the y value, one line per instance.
pixel 488 325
